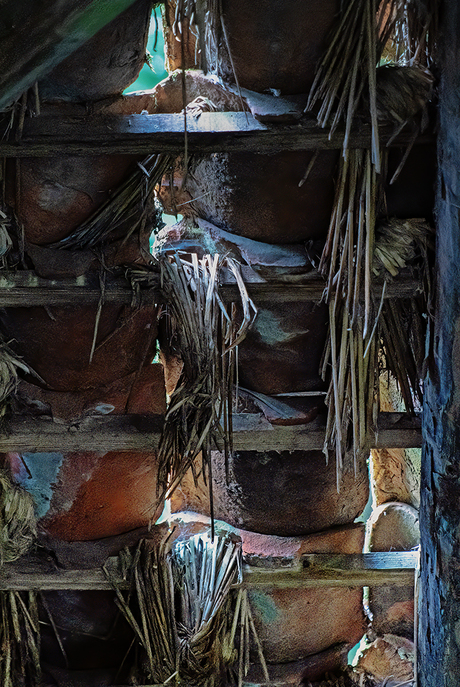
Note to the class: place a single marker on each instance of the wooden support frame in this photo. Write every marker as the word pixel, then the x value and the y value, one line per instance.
pixel 312 570
pixel 252 432
pixel 212 132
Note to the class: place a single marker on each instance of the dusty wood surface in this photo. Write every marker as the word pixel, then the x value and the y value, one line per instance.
pixel 439 607
pixel 164 133
pixel 25 288
pixel 323 570
pixel 36 36
pixel 252 432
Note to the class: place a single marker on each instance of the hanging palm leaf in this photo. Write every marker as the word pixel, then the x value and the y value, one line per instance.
pixel 208 336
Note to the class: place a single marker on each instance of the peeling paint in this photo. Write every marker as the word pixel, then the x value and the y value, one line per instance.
pixel 43 471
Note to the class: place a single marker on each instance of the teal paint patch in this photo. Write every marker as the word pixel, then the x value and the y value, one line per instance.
pixel 43 469
pixel 264 606
pixel 269 328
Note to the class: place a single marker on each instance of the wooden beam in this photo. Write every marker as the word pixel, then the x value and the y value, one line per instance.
pixel 252 432
pixel 47 135
pixel 313 570
pixel 439 599
pixel 37 36
pixel 25 289
pixel 338 570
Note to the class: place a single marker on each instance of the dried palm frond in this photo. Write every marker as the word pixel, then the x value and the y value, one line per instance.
pixel 208 336
pixel 17 520
pixel 19 640
pixel 192 625
pixel 127 204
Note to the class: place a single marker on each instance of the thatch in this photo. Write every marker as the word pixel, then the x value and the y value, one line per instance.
pixel 349 84
pixel 208 335
pixel 192 625
pixel 126 208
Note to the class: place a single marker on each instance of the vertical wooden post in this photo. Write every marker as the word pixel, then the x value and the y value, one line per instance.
pixel 439 609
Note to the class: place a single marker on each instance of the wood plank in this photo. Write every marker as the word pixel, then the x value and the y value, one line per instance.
pixel 164 133
pixel 338 570
pixel 439 598
pixel 313 570
pixel 252 432
pixel 24 288
pixel 37 36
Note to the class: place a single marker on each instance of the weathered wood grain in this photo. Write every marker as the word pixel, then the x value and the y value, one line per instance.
pixel 164 133
pixel 37 36
pixel 313 570
pixel 26 289
pixel 252 432
pixel 439 599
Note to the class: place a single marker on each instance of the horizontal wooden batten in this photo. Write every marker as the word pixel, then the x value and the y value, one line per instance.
pixel 97 134
pixel 313 570
pixel 25 289
pixel 252 432
pixel 338 570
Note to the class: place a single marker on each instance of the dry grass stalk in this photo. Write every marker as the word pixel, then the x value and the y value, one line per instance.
pixel 208 336
pixel 354 252
pixel 127 205
pixel 191 622
pixel 19 640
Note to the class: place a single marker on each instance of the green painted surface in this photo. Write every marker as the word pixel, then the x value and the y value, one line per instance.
pixel 264 606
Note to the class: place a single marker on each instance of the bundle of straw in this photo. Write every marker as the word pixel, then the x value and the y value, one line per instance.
pixel 207 336
pixel 191 623
pixel 19 629
pixel 17 520
pixel 128 205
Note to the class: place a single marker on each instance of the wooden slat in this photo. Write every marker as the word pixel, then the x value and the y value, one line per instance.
pixel 164 133
pixel 313 570
pixel 252 432
pixel 25 288
pixel 338 570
